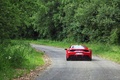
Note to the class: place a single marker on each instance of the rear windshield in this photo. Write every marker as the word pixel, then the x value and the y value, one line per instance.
pixel 77 47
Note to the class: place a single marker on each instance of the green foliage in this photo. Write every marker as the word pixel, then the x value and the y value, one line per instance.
pixel 114 37
pixel 16 18
pixel 18 55
pixel 79 20
pixel 75 20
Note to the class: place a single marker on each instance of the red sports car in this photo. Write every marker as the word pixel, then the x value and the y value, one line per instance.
pixel 78 52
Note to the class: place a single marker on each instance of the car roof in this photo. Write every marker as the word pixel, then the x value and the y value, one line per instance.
pixel 77 47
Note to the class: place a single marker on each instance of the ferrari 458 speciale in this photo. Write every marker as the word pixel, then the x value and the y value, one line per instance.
pixel 78 52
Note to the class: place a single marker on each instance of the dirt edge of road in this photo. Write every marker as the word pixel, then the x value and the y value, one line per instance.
pixel 34 73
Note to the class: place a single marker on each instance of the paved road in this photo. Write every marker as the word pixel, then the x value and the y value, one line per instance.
pixel 97 69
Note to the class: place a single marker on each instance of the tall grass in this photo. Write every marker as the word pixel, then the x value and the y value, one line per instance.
pixel 107 51
pixel 17 58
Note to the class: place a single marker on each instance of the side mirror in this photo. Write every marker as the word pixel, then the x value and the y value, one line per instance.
pixel 65 49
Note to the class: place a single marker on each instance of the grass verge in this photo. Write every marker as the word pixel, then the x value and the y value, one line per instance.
pixel 18 58
pixel 107 51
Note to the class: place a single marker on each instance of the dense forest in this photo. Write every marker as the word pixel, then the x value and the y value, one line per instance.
pixel 68 20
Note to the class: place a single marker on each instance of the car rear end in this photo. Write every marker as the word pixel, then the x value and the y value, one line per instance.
pixel 72 53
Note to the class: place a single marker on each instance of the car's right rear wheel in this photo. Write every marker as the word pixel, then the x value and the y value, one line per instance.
pixel 90 59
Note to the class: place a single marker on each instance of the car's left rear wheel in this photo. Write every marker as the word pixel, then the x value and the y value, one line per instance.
pixel 67 59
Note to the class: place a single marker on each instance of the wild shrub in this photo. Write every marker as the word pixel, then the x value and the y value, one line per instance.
pixel 18 54
pixel 13 56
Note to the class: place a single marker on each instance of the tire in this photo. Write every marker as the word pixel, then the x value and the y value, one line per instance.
pixel 90 59
pixel 67 59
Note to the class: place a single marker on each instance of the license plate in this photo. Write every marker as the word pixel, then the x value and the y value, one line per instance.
pixel 79 53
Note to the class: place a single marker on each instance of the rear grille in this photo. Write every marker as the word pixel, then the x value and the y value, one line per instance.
pixel 86 50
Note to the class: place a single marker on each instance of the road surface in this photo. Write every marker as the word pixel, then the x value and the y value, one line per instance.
pixel 97 69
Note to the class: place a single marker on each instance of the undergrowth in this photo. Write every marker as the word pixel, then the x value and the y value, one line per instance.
pixel 17 58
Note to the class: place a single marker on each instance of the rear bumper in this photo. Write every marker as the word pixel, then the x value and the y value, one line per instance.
pixel 79 55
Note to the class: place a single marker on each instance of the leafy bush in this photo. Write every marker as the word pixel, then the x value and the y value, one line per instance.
pixel 17 55
pixel 114 37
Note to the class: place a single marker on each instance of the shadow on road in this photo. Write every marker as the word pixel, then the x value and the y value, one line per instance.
pixel 83 60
